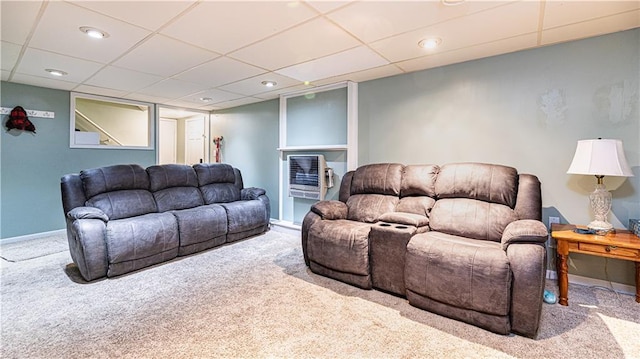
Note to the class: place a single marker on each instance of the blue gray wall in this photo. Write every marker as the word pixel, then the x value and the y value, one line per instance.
pixel 527 110
pixel 250 143
pixel 32 165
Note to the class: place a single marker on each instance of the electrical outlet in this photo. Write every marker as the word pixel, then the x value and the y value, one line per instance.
pixel 550 242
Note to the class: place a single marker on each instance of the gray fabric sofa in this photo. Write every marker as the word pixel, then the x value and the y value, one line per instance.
pixel 123 218
pixel 463 240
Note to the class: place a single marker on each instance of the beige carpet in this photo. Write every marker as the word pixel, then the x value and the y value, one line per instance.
pixel 257 299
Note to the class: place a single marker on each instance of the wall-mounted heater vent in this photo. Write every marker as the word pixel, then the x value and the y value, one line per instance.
pixel 307 176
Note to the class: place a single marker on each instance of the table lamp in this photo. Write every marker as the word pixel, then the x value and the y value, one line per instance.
pixel 600 158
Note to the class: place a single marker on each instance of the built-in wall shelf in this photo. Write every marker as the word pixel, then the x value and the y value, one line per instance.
pixel 314 148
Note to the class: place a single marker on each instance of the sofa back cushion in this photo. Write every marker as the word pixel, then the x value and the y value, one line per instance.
pixel 419 180
pixel 480 181
pixel 379 178
pixel 174 187
pixel 218 182
pixel 475 200
pixel 120 191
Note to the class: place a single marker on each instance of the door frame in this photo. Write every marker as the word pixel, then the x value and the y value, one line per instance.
pixel 181 114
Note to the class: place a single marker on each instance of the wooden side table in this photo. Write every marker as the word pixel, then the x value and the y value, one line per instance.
pixel 620 245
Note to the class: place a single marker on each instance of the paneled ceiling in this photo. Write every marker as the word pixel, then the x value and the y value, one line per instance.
pixel 211 55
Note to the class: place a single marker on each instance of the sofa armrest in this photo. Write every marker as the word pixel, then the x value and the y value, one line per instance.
pixel 330 209
pixel 251 193
pixel 408 219
pixel 87 213
pixel 524 231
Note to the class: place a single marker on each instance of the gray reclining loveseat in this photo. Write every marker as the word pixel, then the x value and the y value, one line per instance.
pixel 463 240
pixel 122 218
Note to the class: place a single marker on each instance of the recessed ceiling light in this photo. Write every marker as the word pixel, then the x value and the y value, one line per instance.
pixel 55 72
pixel 452 2
pixel 430 43
pixel 93 32
pixel 206 99
pixel 269 83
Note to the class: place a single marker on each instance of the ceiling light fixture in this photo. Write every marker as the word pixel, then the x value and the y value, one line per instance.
pixel 206 99
pixel 93 32
pixel 269 83
pixel 430 43
pixel 55 72
pixel 452 2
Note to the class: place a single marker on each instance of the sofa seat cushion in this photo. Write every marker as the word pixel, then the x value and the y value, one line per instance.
pixel 245 215
pixel 461 272
pixel 131 241
pixel 201 224
pixel 341 245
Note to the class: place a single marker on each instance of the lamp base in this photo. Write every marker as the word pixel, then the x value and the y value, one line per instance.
pixel 600 227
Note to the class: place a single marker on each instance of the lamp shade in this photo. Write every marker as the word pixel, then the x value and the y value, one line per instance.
pixel 601 158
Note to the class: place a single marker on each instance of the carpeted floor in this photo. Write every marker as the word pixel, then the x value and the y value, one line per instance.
pixel 256 299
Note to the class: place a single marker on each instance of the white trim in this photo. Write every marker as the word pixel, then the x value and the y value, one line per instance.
pixel 352 126
pixel 28 237
pixel 316 147
pixel 593 282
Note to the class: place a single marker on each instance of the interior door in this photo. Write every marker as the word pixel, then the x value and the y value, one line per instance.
pixel 195 140
pixel 168 135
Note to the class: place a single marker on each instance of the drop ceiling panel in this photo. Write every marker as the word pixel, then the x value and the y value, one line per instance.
pixel 356 59
pixel 95 90
pixel 253 86
pixel 43 82
pixel 326 6
pixel 285 90
pixel 470 53
pixel 297 45
pixel 139 12
pixel 515 19
pixel 9 55
pixel 560 13
pixel 375 20
pixel 220 71
pixel 224 26
pixel 215 95
pixel 235 103
pixel 122 79
pixel 171 88
pixel 161 55
pixel 34 62
pixel 581 30
pixel 58 31
pixel 360 76
pixel 18 17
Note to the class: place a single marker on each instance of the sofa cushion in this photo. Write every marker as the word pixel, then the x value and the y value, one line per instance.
pixel 171 175
pixel 340 245
pixel 458 271
pixel 201 224
pixel 380 178
pixel 419 205
pixel 369 207
pixel 471 218
pixel 176 198
pixel 485 182
pixel 124 204
pixel 218 182
pixel 245 215
pixel 419 180
pixel 132 240
pixel 114 178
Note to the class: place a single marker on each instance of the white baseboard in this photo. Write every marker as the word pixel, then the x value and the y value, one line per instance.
pixel 28 237
pixel 593 282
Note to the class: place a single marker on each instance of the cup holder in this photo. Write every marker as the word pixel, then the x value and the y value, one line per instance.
pixel 402 227
pixel 385 225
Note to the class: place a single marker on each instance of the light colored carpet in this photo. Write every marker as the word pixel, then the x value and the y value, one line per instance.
pixel 256 299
